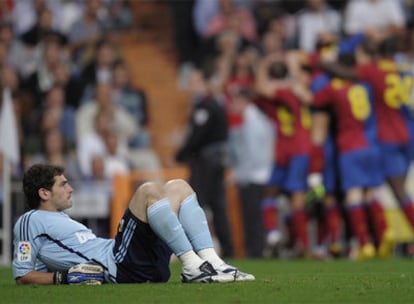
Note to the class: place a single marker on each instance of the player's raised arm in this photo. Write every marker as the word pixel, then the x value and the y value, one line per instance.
pixel 270 75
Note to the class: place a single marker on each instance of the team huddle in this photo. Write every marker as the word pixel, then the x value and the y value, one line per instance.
pixel 344 126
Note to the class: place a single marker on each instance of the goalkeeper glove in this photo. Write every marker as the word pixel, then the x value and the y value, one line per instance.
pixel 317 189
pixel 81 274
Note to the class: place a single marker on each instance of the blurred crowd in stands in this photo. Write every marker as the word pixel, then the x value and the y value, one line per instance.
pixel 71 89
pixel 74 101
pixel 262 61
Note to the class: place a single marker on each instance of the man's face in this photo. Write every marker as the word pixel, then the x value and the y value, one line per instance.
pixel 59 197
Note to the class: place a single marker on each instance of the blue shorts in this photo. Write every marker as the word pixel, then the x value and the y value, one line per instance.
pixel 329 169
pixel 409 119
pixel 293 177
pixel 395 159
pixel 360 168
pixel 139 254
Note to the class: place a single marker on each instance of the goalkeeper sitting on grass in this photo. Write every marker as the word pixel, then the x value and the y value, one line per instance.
pixel 51 248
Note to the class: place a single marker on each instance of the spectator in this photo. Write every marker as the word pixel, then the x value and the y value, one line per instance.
pixel 123 121
pixel 224 49
pixel 134 101
pixel 24 59
pixel 42 79
pixel 57 113
pixel 72 85
pixel 69 13
pixel 85 33
pixel 114 161
pixel 91 143
pixel 241 77
pixel 233 17
pixel 315 19
pixel 9 78
pixel 279 33
pixel 99 70
pixel 25 14
pixel 203 11
pixel 56 151
pixel 119 15
pixel 251 170
pixel 41 29
pixel 382 16
pixel 111 161
pixel 98 169
pixel 205 150
pixel 187 41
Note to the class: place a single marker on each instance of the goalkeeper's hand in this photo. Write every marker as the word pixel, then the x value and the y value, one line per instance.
pixel 81 274
pixel 317 189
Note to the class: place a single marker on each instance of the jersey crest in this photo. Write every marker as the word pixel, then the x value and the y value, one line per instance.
pixel 24 252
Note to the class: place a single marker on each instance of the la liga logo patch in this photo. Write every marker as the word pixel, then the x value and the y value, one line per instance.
pixel 24 252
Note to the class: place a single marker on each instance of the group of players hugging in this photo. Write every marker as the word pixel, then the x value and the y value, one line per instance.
pixel 344 129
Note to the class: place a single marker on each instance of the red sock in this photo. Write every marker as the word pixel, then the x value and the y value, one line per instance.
pixel 333 223
pixel 408 208
pixel 358 222
pixel 316 159
pixel 376 212
pixel 269 214
pixel 300 226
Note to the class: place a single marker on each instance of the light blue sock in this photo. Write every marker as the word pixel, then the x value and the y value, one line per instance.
pixel 164 222
pixel 195 224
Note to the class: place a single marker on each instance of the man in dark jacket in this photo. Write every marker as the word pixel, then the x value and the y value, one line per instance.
pixel 205 150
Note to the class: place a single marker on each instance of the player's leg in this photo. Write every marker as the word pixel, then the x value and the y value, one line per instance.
pixel 384 237
pixel 195 225
pixel 300 222
pixel 396 161
pixel 269 208
pixel 296 184
pixel 150 204
pixel 352 183
pixel 331 215
pixel 333 224
pixel 372 177
pixel 317 155
pixel 136 243
pixel 358 223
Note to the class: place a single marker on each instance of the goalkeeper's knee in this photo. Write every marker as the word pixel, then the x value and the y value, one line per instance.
pixel 81 274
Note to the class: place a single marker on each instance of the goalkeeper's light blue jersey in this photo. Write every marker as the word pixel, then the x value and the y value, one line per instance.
pixel 50 241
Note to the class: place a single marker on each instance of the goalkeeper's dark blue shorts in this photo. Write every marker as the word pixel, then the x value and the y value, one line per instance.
pixel 140 255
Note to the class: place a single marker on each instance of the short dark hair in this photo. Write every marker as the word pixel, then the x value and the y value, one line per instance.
pixel 36 177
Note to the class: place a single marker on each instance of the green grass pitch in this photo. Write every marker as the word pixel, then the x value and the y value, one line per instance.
pixel 277 281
